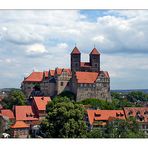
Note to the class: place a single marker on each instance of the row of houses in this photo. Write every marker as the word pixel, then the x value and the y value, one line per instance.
pixel 21 119
pixel 99 118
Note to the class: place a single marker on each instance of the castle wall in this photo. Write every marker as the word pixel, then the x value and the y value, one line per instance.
pixel 52 89
pixel 27 88
pixel 96 90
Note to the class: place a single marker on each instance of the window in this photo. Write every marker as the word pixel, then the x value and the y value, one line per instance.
pixel 62 83
pixel 96 65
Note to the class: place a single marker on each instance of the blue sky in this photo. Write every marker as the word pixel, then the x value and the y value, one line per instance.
pixel 42 39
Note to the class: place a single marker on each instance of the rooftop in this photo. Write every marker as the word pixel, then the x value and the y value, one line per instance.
pixel 41 102
pixel 140 113
pixel 34 77
pixel 75 51
pixel 20 124
pixel 85 64
pixel 52 72
pixel 8 113
pixel 95 52
pixel 60 70
pixel 104 115
pixel 86 77
pixel 24 113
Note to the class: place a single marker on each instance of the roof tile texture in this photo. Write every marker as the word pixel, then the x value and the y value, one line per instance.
pixel 41 102
pixel 86 77
pixel 8 113
pixel 20 124
pixel 104 115
pixel 24 113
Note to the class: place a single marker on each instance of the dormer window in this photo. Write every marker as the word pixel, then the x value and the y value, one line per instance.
pixel 117 115
pixel 130 112
pixel 97 115
pixel 138 112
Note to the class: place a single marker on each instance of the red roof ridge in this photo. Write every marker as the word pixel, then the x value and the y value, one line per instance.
pixel 95 52
pixel 75 51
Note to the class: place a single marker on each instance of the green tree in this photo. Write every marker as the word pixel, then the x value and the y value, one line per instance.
pixel 116 95
pixel 65 119
pixel 95 133
pixel 15 97
pixel 137 96
pixel 68 94
pixel 123 129
pixel 98 104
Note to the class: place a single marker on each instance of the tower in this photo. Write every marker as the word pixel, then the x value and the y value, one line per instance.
pixel 95 60
pixel 75 60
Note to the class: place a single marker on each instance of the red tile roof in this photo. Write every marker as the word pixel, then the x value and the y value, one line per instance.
pixel 104 115
pixel 75 51
pixel 24 113
pixel 85 64
pixel 140 113
pixel 95 52
pixel 86 77
pixel 41 102
pixel 46 74
pixel 8 113
pixel 60 70
pixel 68 71
pixel 34 77
pixel 52 72
pixel 20 124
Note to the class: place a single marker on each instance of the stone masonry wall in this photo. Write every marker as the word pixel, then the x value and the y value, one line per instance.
pixel 100 91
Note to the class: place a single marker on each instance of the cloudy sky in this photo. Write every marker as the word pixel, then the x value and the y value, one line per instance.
pixel 42 39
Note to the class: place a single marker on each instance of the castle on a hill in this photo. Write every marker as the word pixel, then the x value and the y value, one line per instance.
pixel 84 79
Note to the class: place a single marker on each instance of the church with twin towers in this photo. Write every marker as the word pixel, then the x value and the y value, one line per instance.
pixel 84 79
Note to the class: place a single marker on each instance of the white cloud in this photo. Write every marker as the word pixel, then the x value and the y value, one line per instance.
pixel 99 39
pixel 49 36
pixel 36 49
pixel 62 46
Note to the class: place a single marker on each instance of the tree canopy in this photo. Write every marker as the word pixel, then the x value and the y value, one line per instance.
pixel 65 119
pixel 122 129
pixel 136 96
pixel 15 97
pixel 68 94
